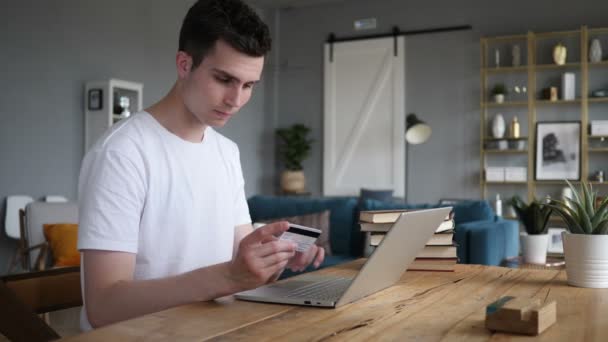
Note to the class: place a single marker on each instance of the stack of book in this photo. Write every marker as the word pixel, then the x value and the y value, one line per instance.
pixel 439 254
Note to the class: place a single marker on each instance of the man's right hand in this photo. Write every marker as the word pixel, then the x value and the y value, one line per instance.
pixel 261 256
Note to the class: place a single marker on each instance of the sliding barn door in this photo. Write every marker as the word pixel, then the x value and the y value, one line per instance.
pixel 364 116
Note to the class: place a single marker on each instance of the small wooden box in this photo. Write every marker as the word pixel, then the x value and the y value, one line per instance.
pixel 520 315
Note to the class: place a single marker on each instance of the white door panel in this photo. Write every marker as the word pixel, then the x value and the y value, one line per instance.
pixel 364 116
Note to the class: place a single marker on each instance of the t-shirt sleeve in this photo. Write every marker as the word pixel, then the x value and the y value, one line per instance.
pixel 111 199
pixel 240 200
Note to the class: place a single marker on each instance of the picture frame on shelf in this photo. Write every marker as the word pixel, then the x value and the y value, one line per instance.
pixel 558 150
pixel 95 99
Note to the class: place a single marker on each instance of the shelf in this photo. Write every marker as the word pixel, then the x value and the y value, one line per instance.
pixel 555 182
pixel 506 183
pixel 558 102
pixel 508 151
pixel 602 64
pixel 506 104
pixel 505 138
pixel 598 183
pixel 601 137
pixel 523 68
pixel 598 149
pixel 555 66
pixel 598 99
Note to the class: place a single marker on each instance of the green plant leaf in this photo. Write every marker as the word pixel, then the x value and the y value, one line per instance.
pixel 588 200
pixel 583 218
pixel 574 192
pixel 600 214
pixel 572 224
pixel 602 228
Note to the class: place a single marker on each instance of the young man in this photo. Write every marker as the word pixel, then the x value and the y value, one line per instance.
pixel 163 215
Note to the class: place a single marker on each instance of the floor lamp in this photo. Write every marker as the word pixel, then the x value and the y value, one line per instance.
pixel 416 132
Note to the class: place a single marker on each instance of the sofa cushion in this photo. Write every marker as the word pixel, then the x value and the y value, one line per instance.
pixel 465 211
pixel 487 242
pixel 341 221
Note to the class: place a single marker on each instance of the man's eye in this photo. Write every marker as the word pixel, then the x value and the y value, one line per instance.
pixel 223 79
pixel 248 86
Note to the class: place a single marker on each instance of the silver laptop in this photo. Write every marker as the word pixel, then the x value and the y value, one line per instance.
pixel 384 268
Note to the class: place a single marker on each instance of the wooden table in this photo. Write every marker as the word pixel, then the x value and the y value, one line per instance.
pixel 423 306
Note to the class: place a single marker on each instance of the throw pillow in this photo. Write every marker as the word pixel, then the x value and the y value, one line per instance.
pixel 62 238
pixel 318 220
pixel 379 195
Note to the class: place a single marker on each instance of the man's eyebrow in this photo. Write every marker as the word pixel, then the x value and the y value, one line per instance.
pixel 229 75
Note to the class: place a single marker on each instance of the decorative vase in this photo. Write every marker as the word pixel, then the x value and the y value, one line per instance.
pixel 499 98
pixel 534 248
pixel 516 55
pixel 515 128
pixel 293 181
pixel 498 126
pixel 559 54
pixel 595 51
pixel 586 259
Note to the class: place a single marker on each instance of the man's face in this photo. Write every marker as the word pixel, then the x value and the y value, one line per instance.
pixel 220 85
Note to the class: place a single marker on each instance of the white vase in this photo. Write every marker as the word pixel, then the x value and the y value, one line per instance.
pixel 516 55
pixel 499 98
pixel 586 259
pixel 498 126
pixel 595 51
pixel 534 248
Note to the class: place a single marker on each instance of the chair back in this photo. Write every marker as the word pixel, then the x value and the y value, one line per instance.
pixel 25 295
pixel 39 213
pixel 11 220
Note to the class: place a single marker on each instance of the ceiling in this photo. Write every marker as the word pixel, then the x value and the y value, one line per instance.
pixel 290 3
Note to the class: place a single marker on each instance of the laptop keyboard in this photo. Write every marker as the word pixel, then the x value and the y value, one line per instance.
pixel 330 289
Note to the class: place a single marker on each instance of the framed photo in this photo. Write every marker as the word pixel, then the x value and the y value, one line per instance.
pixel 95 99
pixel 555 245
pixel 558 150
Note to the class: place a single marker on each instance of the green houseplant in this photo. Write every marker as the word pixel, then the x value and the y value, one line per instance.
pixel 294 148
pixel 534 217
pixel 586 242
pixel 499 91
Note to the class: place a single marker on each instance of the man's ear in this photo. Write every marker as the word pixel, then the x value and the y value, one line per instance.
pixel 183 63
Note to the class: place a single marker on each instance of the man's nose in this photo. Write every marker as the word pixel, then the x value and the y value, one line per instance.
pixel 234 96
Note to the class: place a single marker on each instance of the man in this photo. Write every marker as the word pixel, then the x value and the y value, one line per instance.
pixel 163 215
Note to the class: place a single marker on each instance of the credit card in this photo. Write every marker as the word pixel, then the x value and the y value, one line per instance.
pixel 303 236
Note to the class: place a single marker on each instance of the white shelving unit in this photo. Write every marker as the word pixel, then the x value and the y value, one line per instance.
pixel 101 109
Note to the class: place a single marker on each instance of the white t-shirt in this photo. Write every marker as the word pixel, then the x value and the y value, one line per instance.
pixel 173 203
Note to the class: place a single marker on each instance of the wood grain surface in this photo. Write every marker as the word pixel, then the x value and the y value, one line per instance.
pixel 423 306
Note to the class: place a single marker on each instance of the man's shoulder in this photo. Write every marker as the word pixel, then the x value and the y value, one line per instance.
pixel 125 137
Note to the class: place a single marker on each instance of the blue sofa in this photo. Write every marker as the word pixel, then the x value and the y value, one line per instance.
pixel 481 237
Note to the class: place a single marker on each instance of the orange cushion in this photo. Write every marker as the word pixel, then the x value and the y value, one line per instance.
pixel 62 238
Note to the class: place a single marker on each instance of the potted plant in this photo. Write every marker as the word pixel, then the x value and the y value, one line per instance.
pixel 293 150
pixel 586 241
pixel 499 91
pixel 534 217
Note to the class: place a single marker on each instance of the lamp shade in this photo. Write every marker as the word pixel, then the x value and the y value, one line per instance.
pixel 416 130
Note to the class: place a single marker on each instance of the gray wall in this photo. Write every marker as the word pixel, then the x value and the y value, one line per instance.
pixel 442 74
pixel 48 49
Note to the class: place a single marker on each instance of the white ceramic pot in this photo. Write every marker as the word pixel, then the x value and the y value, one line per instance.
pixel 499 98
pixel 534 248
pixel 498 126
pixel 293 181
pixel 595 51
pixel 586 259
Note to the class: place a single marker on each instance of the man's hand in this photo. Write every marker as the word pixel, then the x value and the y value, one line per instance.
pixel 314 254
pixel 261 256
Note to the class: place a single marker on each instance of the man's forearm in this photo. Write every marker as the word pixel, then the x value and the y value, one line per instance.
pixel 129 299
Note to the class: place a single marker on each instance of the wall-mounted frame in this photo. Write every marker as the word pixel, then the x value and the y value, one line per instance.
pixel 558 150
pixel 95 99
